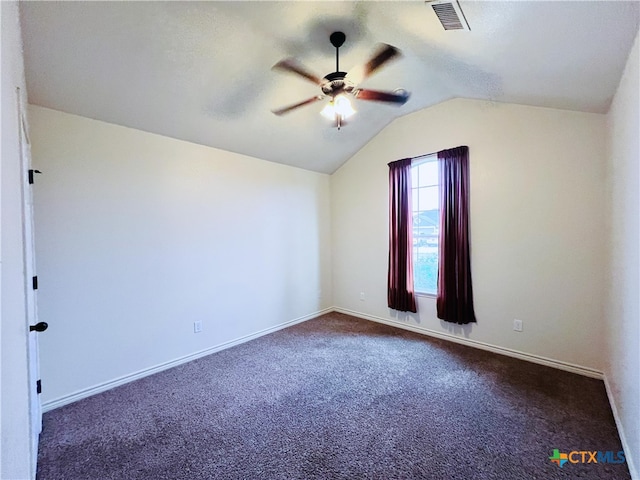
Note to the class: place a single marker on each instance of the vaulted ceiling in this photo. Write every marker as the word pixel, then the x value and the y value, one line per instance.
pixel 201 71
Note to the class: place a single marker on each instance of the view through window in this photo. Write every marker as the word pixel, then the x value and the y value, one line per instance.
pixel 425 203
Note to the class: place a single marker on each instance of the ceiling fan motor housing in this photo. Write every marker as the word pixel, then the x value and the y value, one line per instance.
pixel 336 83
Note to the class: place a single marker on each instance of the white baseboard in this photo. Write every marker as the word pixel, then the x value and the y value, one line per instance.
pixel 625 445
pixel 569 367
pixel 79 395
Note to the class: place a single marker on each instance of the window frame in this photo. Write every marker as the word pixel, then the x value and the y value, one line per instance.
pixel 416 162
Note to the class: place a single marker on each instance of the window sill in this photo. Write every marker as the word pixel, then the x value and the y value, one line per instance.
pixel 423 294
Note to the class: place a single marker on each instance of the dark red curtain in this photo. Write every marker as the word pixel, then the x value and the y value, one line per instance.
pixel 455 295
pixel 400 294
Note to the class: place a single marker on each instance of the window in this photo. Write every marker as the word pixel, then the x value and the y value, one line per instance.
pixel 425 203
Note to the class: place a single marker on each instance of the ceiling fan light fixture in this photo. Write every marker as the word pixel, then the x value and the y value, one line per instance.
pixel 340 106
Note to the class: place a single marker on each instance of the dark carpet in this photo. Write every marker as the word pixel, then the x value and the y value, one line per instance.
pixel 337 398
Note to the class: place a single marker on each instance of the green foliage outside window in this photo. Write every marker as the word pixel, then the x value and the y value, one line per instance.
pixel 425 272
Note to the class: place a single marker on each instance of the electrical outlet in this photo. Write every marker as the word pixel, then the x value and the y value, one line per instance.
pixel 197 326
pixel 362 296
pixel 517 325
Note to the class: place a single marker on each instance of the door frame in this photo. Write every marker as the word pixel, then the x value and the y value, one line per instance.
pixel 31 299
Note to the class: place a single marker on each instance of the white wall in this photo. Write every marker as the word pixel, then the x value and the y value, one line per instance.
pixel 622 366
pixel 15 451
pixel 537 225
pixel 140 235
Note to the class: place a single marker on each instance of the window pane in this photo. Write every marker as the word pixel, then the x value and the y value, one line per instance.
pixel 428 174
pixel 414 177
pixel 425 272
pixel 428 198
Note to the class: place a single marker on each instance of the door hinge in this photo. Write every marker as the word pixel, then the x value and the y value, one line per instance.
pixel 31 172
pixel 34 281
pixel 39 386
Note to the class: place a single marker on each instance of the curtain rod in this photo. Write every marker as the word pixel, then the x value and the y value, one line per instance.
pixel 410 158
pixel 425 155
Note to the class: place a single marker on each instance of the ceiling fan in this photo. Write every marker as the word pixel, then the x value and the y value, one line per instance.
pixel 338 85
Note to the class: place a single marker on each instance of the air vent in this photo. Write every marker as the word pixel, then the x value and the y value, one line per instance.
pixel 450 15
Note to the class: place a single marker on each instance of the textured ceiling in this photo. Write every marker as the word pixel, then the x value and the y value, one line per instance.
pixel 201 71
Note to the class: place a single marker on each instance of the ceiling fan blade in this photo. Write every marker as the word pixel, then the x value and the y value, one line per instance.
pixel 383 54
pixel 282 111
pixel 399 97
pixel 291 65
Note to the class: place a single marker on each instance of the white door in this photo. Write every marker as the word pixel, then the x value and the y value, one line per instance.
pixel 31 291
